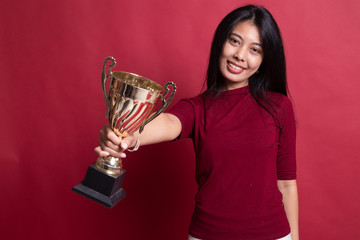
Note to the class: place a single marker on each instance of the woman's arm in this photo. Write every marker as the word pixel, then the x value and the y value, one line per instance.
pixel 164 127
pixel 288 188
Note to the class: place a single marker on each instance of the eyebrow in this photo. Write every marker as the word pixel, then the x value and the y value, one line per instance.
pixel 237 35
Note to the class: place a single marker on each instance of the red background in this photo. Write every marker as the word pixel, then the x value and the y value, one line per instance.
pixel 52 109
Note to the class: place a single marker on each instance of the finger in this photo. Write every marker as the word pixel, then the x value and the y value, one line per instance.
pixel 129 141
pixel 112 152
pixel 124 145
pixel 107 143
pixel 108 133
pixel 100 152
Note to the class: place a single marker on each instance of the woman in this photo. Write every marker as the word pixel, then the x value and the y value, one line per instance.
pixel 243 130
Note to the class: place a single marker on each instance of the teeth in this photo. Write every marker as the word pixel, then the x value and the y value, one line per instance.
pixel 235 67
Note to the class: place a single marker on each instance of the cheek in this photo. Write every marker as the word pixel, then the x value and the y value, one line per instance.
pixel 255 63
pixel 222 61
pixel 227 51
pixel 225 55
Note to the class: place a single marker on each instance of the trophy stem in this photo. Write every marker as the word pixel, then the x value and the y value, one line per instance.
pixel 109 165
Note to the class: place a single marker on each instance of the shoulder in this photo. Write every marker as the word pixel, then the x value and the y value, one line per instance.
pixel 282 107
pixel 196 101
pixel 280 100
pixel 187 106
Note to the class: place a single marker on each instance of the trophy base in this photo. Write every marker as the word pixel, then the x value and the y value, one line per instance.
pixel 101 188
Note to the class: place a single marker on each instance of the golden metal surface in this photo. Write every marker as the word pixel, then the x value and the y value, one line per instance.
pixel 129 104
pixel 109 165
pixel 137 81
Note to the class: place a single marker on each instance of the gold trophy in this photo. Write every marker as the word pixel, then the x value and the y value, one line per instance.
pixel 129 106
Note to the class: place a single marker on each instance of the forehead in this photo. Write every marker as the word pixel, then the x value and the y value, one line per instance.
pixel 247 31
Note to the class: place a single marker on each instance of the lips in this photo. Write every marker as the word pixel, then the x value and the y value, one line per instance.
pixel 234 68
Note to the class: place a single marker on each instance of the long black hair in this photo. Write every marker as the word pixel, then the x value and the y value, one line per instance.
pixel 271 75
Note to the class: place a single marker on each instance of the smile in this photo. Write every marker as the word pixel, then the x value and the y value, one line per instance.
pixel 235 68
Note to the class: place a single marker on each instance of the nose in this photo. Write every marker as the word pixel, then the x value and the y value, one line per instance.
pixel 240 54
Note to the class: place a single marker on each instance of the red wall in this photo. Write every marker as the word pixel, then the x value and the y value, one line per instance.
pixel 52 109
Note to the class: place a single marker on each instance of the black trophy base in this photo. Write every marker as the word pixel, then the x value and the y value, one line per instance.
pixel 101 188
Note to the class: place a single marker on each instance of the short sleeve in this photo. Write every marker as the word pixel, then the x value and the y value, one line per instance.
pixel 286 155
pixel 184 110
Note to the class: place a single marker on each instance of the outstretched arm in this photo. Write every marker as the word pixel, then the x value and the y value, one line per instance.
pixel 288 188
pixel 164 127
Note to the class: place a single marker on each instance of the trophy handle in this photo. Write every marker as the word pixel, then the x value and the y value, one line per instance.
pixel 164 104
pixel 104 78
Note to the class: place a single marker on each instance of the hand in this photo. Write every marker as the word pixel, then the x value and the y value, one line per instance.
pixel 111 144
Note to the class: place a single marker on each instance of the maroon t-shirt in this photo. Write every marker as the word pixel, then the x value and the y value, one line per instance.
pixel 241 152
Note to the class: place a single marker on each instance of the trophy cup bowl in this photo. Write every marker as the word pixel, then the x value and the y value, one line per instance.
pixel 129 104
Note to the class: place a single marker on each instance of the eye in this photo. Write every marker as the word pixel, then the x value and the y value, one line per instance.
pixel 256 50
pixel 234 41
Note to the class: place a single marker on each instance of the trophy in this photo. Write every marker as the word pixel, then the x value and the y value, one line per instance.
pixel 129 105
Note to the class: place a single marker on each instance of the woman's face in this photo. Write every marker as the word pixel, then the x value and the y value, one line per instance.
pixel 241 56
